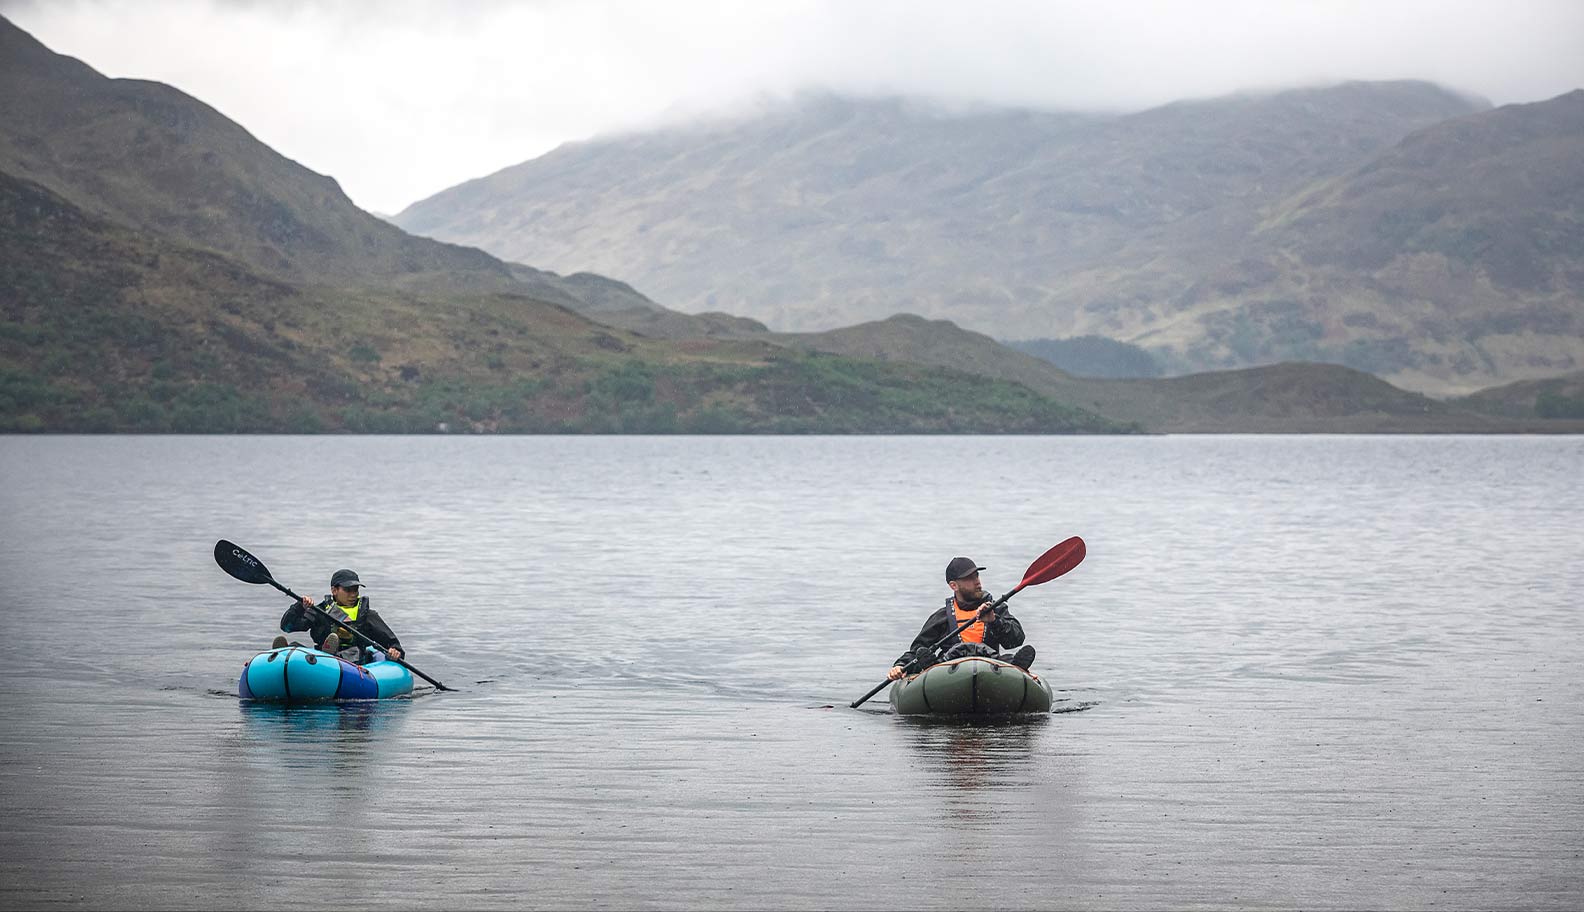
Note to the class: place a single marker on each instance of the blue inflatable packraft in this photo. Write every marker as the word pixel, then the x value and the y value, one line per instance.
pixel 298 674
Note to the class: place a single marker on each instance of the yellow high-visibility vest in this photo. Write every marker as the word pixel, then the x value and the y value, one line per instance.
pixel 346 612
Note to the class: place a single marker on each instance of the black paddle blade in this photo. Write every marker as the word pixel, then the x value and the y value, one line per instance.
pixel 1055 562
pixel 235 560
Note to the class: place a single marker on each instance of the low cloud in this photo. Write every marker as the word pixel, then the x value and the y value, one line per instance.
pixel 400 100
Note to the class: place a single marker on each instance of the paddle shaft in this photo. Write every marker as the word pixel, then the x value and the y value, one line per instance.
pixel 938 644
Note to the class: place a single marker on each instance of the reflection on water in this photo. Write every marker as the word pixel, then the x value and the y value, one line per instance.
pixel 348 723
pixel 972 756
pixel 989 802
pixel 331 741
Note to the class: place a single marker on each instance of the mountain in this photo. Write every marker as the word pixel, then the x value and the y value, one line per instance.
pixel 163 270
pixel 1452 261
pixel 830 211
pixel 1092 356
pixel 150 157
pixel 139 295
pixel 1341 224
pixel 1287 398
pixel 1555 399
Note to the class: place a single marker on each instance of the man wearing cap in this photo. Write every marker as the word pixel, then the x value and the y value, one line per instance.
pixel 990 632
pixel 351 609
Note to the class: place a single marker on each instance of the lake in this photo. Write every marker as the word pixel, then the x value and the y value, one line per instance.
pixel 1317 672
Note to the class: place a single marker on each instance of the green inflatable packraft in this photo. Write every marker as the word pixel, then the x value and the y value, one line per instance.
pixel 971 686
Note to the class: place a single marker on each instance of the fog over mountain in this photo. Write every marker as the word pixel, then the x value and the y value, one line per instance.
pixel 400 100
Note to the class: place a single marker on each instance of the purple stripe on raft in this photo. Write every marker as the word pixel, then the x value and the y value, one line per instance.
pixel 356 683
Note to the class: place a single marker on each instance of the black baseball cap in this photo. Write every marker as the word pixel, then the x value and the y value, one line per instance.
pixel 961 567
pixel 344 579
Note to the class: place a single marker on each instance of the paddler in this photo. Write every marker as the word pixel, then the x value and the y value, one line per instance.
pixel 351 609
pixel 990 632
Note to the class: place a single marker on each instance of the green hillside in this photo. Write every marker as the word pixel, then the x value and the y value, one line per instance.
pixel 1554 399
pixel 1288 398
pixel 110 329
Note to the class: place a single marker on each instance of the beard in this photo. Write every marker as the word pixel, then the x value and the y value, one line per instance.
pixel 971 597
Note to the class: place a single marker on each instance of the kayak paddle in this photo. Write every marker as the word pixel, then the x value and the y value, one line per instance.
pixel 1046 567
pixel 235 560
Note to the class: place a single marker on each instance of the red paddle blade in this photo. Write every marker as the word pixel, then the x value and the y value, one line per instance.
pixel 1054 563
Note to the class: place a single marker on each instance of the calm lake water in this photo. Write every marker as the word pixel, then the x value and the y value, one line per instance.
pixel 1317 672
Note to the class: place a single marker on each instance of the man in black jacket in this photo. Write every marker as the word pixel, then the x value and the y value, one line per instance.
pixel 351 610
pixel 990 632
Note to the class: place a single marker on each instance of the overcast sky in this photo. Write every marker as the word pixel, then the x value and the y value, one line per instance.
pixel 398 99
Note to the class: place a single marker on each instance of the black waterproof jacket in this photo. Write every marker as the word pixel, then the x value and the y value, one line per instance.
pixel 1002 633
pixel 368 623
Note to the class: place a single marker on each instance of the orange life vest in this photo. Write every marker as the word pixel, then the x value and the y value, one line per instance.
pixel 975 632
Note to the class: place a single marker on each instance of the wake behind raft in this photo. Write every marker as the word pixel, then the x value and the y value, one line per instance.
pixel 300 674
